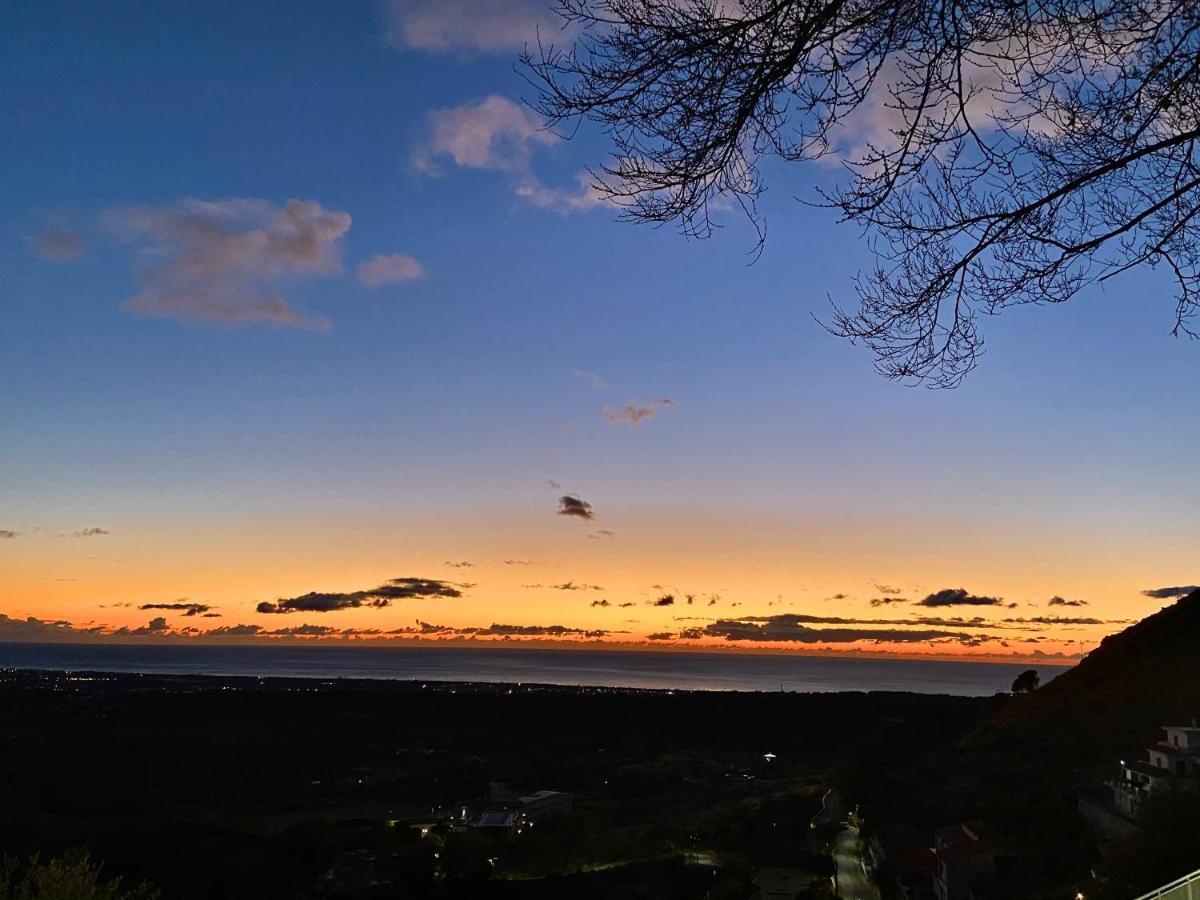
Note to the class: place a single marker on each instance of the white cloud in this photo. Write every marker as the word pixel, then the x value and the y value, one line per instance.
pixel 389 268
pixel 499 135
pixel 591 378
pixel 494 133
pixel 441 26
pixel 221 261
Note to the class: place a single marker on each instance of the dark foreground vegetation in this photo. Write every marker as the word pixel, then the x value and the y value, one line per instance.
pixel 242 787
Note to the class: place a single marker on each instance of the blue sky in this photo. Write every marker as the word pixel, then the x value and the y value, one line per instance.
pixel 442 404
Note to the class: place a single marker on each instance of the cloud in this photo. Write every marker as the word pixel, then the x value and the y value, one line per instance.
pixel 534 631
pixel 188 609
pixel 234 631
pixel 884 601
pixel 442 26
pixel 1164 593
pixel 222 261
pixel 389 269
pixel 790 628
pixel 518 562
pixel 600 603
pixel 58 245
pixel 570 505
pixel 395 589
pixel 591 378
pixel 572 586
pixel 1059 601
pixel 87 532
pixel 627 603
pixel 959 597
pixel 7 534
pixel 635 413
pixel 35 629
pixel 495 134
pixel 660 636
pixel 886 589
pixel 664 600
pixel 459 565
pixel 498 135
pixel 838 596
pixel 602 534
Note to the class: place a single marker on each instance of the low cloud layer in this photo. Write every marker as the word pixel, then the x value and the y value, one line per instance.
pixel 183 606
pixel 636 413
pixel 787 628
pixel 223 261
pixel 1167 593
pixel 7 534
pixel 959 597
pixel 377 598
pixel 570 505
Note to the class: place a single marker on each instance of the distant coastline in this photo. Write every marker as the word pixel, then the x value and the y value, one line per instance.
pixel 598 668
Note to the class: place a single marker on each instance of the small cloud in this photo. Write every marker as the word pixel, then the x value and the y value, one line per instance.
pixel 518 562
pixel 600 603
pixel 664 600
pixel 495 134
pixel 1060 601
pixel 883 601
pixel 389 269
pixel 959 597
pixel 661 636
pixel 220 262
pixel 572 586
pixel 376 598
pixel 87 532
pixel 58 245
pixel 602 534
pixel 626 604
pixel 838 596
pixel 459 565
pixel 443 26
pixel 7 534
pixel 183 606
pixel 591 378
pixel 887 589
pixel 570 505
pixel 635 413
pixel 1165 593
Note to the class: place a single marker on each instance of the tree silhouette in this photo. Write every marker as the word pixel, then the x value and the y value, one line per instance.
pixel 1027 682
pixel 995 153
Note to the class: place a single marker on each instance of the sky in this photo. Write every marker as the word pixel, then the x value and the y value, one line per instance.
pixel 310 330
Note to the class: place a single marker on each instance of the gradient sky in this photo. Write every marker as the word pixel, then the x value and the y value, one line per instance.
pixel 297 297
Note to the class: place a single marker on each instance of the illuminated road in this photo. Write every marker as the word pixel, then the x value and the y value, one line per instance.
pixel 852 880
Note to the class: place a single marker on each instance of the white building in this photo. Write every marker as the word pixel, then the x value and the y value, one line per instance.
pixel 1174 757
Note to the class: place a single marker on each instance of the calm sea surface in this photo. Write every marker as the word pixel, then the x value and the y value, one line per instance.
pixel 681 671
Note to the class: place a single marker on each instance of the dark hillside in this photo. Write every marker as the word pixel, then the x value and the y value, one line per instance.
pixel 1112 703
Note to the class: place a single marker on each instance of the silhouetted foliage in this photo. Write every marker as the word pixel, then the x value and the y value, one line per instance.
pixel 71 877
pixel 995 153
pixel 1027 682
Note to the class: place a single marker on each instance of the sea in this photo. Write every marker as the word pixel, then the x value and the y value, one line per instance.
pixel 593 668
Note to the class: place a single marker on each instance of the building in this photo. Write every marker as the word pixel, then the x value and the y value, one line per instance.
pixel 1173 758
pixel 499 822
pixel 544 805
pixel 961 857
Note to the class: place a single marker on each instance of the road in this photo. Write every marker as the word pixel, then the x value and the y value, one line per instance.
pixel 852 880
